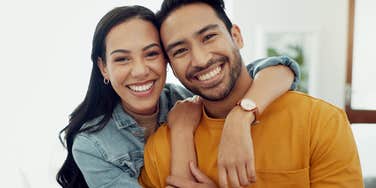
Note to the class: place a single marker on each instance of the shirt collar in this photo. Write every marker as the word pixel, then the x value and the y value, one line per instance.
pixel 122 119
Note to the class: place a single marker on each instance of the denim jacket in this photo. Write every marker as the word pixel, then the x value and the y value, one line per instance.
pixel 113 156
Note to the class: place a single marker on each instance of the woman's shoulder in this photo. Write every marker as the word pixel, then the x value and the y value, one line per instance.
pixel 110 142
pixel 92 123
pixel 90 136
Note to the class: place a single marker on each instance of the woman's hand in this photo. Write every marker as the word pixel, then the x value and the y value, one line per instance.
pixel 235 152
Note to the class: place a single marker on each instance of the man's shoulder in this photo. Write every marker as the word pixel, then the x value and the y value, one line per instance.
pixel 303 100
pixel 161 132
pixel 296 96
pixel 295 104
pixel 157 148
pixel 159 138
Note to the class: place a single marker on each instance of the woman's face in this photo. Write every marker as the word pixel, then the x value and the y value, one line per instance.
pixel 135 65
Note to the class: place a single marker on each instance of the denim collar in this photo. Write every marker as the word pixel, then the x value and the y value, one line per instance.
pixel 163 108
pixel 122 119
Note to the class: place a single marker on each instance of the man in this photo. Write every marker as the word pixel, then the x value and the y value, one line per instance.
pixel 300 141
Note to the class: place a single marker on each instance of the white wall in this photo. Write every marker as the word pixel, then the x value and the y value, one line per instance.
pixel 329 18
pixel 45 67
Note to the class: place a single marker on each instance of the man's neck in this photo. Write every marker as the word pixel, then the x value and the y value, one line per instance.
pixel 220 109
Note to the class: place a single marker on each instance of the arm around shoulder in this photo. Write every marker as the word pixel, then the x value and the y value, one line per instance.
pixel 260 64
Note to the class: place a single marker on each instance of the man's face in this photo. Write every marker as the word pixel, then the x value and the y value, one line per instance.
pixel 203 54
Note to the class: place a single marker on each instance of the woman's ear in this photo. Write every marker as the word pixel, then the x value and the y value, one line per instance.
pixel 103 68
pixel 237 36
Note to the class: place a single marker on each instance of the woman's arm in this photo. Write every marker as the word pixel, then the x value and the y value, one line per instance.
pixel 235 152
pixel 182 121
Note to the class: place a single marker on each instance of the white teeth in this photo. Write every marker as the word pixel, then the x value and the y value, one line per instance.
pixel 141 88
pixel 210 74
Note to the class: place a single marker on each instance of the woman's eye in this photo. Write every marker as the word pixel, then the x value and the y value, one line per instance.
pixel 208 37
pixel 152 54
pixel 179 51
pixel 122 59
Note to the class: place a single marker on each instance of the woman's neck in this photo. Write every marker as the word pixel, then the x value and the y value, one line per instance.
pixel 148 122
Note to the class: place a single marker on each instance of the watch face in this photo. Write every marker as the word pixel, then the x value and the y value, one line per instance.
pixel 247 104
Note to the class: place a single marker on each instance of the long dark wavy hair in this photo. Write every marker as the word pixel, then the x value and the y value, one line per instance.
pixel 100 99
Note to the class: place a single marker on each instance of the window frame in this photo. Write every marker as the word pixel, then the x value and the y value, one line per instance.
pixel 354 115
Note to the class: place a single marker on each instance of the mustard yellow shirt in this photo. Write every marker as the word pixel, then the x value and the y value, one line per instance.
pixel 300 142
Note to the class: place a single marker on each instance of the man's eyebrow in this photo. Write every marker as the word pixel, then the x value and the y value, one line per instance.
pixel 173 45
pixel 120 51
pixel 150 46
pixel 199 32
pixel 206 28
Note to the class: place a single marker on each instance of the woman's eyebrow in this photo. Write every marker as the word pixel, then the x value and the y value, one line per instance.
pixel 120 51
pixel 150 46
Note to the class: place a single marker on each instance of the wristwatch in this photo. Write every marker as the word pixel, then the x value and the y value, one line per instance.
pixel 249 105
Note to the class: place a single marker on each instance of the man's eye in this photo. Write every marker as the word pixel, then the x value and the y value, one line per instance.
pixel 179 51
pixel 208 37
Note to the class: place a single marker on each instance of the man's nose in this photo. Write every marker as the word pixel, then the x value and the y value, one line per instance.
pixel 200 56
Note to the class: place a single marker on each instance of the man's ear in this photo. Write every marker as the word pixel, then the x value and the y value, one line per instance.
pixel 237 36
pixel 103 68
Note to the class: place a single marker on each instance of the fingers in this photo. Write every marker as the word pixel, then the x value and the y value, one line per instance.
pixel 179 182
pixel 242 174
pixel 251 172
pixel 233 177
pixel 190 99
pixel 197 99
pixel 200 177
pixel 222 175
pixel 236 176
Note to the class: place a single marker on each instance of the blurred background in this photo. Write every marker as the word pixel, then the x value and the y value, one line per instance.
pixel 45 67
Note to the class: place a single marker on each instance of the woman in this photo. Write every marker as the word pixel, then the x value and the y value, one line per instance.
pixel 126 101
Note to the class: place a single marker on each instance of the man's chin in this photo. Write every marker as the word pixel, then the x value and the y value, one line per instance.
pixel 217 93
pixel 213 95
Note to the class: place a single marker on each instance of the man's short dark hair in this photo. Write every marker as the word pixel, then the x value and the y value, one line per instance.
pixel 168 6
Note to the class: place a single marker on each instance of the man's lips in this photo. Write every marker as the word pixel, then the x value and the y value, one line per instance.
pixel 206 71
pixel 207 75
pixel 210 79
